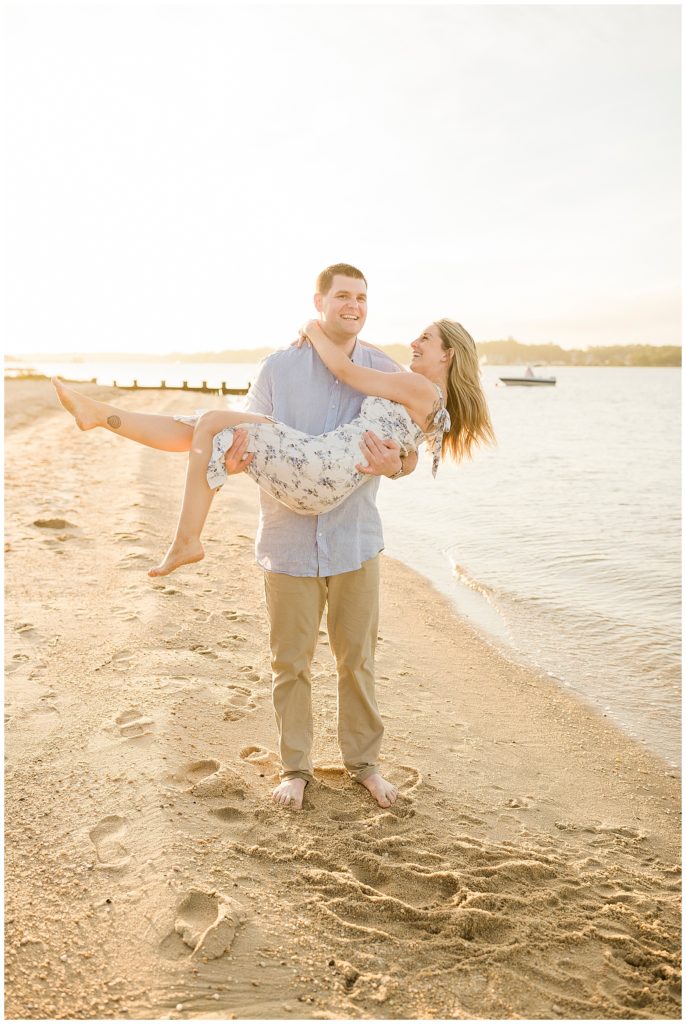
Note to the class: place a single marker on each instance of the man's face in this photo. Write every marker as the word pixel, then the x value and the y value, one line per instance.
pixel 344 307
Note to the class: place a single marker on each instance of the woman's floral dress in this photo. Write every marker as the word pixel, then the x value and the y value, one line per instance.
pixel 313 473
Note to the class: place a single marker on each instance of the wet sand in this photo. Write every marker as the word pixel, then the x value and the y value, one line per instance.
pixel 530 867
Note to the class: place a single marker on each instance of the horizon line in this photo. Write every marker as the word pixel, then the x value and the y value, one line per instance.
pixel 176 356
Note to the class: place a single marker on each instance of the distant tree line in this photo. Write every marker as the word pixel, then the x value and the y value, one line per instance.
pixel 514 352
pixel 497 353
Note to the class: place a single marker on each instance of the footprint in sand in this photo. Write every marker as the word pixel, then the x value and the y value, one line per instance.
pixel 188 776
pixel 207 778
pixel 250 674
pixel 206 922
pixel 241 703
pixel 265 761
pixel 200 648
pixel 107 838
pixel 231 640
pixel 54 524
pixel 121 661
pixel 213 782
pixel 133 723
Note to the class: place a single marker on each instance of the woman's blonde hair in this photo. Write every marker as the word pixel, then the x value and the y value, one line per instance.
pixel 470 422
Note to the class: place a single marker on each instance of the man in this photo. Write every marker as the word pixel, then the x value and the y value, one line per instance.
pixel 331 559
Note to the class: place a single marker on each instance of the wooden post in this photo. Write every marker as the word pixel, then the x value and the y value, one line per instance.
pixel 163 384
pixel 223 387
pixel 204 385
pixel 185 385
pixel 135 382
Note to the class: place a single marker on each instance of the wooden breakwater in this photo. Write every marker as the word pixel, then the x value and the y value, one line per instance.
pixel 221 389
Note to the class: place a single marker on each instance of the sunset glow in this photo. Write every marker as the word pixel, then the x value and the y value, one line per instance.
pixel 179 174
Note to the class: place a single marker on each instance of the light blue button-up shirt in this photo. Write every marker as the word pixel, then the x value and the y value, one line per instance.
pixel 295 387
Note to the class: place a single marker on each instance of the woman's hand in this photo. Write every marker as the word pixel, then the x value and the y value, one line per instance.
pixel 303 338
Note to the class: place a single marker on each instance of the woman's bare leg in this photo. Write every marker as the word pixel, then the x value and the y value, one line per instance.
pixel 162 432
pixel 197 496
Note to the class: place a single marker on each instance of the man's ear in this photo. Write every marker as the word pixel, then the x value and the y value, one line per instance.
pixel 318 302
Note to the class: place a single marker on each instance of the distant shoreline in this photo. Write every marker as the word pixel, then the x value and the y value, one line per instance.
pixel 492 353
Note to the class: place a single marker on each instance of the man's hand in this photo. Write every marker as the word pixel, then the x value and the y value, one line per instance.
pixel 234 459
pixel 383 457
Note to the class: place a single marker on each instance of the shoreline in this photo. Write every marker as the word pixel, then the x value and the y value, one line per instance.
pixel 530 867
pixel 485 620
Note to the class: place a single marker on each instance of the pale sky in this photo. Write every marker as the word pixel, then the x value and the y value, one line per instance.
pixel 177 174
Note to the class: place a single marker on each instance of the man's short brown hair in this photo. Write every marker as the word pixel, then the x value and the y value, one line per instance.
pixel 325 279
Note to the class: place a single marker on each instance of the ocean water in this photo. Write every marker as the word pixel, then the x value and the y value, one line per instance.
pixel 562 544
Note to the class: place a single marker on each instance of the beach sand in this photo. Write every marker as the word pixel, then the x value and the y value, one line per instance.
pixel 530 867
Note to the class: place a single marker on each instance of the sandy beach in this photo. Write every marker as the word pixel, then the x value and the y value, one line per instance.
pixel 530 868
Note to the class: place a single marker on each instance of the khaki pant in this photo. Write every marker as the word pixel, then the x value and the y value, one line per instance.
pixel 295 605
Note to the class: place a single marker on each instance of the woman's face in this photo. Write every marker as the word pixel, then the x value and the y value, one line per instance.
pixel 428 355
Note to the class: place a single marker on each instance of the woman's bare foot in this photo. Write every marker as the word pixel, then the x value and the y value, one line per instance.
pixel 84 410
pixel 180 553
pixel 384 792
pixel 289 793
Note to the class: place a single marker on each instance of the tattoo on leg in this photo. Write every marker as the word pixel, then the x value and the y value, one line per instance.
pixel 114 422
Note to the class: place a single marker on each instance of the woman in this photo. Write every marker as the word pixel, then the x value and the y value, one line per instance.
pixel 440 401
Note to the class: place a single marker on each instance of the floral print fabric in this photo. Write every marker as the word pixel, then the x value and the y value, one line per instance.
pixel 313 473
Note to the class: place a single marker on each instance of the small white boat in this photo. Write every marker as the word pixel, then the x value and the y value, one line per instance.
pixel 529 380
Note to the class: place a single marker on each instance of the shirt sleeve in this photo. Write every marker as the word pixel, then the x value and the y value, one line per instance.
pixel 259 398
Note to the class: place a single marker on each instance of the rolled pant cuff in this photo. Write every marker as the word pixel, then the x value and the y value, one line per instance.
pixel 364 773
pixel 285 776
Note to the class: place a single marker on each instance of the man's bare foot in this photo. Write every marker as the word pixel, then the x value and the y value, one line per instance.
pixel 84 410
pixel 180 553
pixel 384 792
pixel 289 793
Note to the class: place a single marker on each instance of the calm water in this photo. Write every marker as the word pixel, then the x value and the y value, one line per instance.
pixel 562 543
